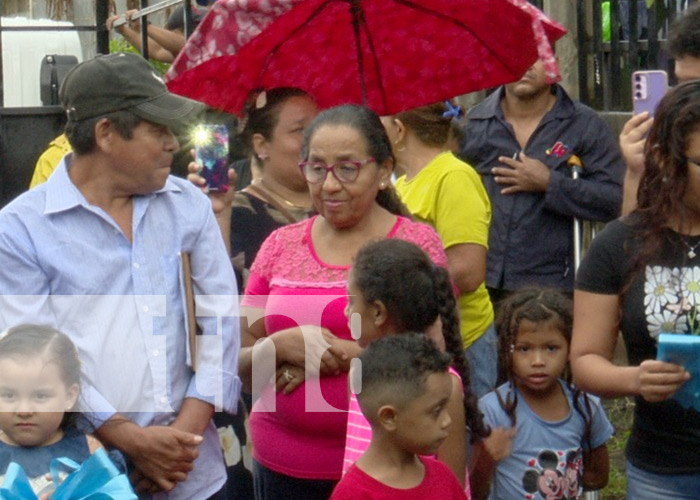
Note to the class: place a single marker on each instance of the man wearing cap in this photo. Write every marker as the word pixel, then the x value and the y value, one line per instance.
pixel 95 251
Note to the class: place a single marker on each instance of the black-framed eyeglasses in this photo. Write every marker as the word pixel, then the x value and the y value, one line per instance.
pixel 315 172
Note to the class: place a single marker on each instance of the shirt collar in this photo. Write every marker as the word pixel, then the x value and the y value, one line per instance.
pixel 491 106
pixel 62 194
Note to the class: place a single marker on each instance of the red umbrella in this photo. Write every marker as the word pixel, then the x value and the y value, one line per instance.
pixel 391 55
pixel 545 31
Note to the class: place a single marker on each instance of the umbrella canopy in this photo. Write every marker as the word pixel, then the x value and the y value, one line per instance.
pixel 391 55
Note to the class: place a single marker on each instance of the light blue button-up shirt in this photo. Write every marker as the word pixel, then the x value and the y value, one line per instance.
pixel 67 263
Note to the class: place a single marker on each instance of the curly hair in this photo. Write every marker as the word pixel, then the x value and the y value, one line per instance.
pixel 662 189
pixel 416 293
pixel 405 360
pixel 538 305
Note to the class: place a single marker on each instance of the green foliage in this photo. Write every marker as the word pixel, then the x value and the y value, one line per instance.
pixel 121 45
pixel 620 412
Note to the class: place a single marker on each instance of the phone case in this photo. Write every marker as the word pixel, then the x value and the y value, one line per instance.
pixel 685 351
pixel 211 152
pixel 648 88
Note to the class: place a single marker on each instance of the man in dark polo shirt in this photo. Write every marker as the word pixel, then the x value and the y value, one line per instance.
pixel 525 139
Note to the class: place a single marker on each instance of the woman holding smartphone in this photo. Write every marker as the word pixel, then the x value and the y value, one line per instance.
pixel 641 275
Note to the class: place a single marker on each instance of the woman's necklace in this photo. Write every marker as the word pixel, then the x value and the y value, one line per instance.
pixel 279 196
pixel 691 248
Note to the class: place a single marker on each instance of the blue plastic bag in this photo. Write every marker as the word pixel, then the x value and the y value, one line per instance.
pixel 16 485
pixel 96 479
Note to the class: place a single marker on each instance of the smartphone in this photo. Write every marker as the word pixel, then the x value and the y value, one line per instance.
pixel 648 88
pixel 211 152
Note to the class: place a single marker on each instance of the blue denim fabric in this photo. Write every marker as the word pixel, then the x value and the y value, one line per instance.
pixel 643 485
pixel 483 362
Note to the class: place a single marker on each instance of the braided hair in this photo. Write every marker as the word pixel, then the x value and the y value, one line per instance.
pixel 416 293
pixel 538 305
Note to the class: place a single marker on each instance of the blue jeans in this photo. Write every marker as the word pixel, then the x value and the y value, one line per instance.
pixel 643 485
pixel 483 362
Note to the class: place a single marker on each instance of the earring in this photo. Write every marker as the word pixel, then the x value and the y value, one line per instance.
pixel 262 156
pixel 397 147
pixel 382 185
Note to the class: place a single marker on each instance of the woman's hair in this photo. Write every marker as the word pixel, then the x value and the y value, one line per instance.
pixel 416 293
pixel 261 115
pixel 32 341
pixel 663 185
pixel 432 124
pixel 369 126
pixel 537 305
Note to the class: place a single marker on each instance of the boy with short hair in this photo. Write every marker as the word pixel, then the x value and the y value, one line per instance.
pixel 404 394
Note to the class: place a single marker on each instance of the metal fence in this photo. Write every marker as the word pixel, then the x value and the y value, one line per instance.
pixel 616 38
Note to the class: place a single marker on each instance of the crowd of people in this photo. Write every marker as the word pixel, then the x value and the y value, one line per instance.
pixel 387 309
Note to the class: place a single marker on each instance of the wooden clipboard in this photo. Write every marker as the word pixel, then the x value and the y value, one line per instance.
pixel 191 326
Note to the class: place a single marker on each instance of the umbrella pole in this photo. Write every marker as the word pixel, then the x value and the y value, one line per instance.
pixel 358 17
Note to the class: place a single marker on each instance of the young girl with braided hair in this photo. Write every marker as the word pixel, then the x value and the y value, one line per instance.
pixel 393 288
pixel 548 436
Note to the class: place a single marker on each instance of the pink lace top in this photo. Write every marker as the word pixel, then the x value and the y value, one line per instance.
pixel 305 437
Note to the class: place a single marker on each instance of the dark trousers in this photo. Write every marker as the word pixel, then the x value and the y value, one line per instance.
pixel 271 485
pixel 219 495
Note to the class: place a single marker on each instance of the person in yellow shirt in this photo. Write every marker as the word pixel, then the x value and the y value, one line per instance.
pixel 49 159
pixel 443 191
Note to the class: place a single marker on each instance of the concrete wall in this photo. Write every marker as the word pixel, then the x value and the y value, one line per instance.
pixel 564 11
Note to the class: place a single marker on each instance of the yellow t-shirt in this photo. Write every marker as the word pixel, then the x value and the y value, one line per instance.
pixel 448 194
pixel 49 160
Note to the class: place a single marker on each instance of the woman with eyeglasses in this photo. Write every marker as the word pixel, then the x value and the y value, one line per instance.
pixel 295 300
pixel 641 276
